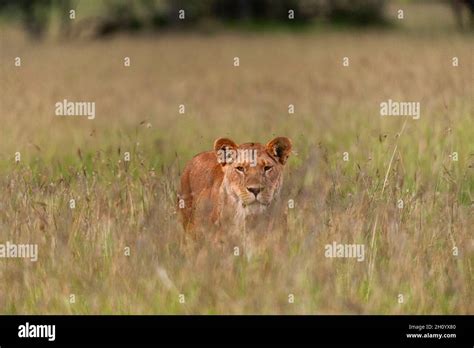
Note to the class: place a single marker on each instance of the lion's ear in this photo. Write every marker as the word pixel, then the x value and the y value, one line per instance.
pixel 225 150
pixel 280 148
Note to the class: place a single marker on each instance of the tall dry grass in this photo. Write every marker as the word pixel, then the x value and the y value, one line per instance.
pixel 132 204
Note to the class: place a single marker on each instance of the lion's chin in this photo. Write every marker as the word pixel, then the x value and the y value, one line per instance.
pixel 255 208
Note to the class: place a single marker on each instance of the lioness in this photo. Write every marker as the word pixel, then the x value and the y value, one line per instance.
pixel 234 186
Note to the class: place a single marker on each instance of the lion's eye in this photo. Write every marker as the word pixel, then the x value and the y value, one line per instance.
pixel 267 168
pixel 240 169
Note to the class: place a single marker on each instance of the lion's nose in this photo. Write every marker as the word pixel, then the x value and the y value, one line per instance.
pixel 254 190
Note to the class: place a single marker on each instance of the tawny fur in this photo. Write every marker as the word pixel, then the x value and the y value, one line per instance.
pixel 232 194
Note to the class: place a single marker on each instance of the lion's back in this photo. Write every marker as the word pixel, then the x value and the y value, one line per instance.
pixel 201 178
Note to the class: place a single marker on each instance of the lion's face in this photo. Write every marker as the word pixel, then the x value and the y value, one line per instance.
pixel 253 172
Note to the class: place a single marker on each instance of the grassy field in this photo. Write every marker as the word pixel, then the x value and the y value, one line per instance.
pixel 120 204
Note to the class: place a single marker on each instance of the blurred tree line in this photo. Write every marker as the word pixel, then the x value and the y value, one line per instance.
pixel 109 16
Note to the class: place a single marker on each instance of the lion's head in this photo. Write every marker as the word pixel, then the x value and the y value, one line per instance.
pixel 253 172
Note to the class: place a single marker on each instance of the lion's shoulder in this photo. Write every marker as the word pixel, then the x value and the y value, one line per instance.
pixel 202 172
